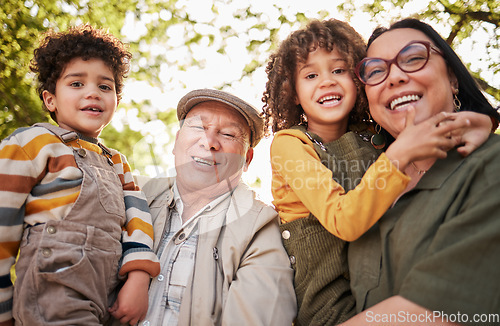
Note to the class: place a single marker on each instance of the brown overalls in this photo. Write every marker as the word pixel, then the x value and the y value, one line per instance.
pixel 67 269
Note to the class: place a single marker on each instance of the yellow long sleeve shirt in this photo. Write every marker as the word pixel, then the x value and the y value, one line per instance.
pixel 301 184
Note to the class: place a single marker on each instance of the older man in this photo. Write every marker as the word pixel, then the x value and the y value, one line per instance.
pixel 222 261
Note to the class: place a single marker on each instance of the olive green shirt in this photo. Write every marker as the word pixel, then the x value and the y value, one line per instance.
pixel 439 245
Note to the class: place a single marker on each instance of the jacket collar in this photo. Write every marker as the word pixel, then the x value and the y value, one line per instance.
pixel 440 171
pixel 159 191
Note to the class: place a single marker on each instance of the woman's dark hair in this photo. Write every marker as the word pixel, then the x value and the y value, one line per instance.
pixel 469 93
pixel 280 110
pixel 58 49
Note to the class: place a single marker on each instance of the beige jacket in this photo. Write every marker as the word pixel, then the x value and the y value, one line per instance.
pixel 242 274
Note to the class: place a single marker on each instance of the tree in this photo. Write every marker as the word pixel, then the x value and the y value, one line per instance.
pixel 22 23
pixel 463 21
pixel 170 38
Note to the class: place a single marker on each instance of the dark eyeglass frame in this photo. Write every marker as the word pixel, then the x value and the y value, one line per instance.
pixel 428 45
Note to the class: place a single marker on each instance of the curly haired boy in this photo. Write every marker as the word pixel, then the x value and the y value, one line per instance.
pixel 69 207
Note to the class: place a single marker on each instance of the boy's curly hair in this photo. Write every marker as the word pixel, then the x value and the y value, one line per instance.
pixel 57 49
pixel 280 110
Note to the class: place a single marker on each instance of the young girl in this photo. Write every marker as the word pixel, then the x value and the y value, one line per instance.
pixel 69 203
pixel 330 183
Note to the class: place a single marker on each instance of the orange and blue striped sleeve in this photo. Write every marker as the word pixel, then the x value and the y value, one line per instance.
pixel 137 236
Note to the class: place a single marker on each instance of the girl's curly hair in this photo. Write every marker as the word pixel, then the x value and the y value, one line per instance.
pixel 57 49
pixel 280 110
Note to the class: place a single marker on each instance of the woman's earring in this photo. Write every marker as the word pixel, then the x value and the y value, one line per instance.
pixel 378 140
pixel 456 102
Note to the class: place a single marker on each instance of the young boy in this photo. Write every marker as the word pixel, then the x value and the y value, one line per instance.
pixel 68 203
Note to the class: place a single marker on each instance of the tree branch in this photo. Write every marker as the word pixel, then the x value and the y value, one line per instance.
pixel 484 16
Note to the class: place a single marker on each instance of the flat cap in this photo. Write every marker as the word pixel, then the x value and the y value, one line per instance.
pixel 250 113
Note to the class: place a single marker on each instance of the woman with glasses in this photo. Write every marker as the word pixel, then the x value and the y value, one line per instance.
pixel 433 258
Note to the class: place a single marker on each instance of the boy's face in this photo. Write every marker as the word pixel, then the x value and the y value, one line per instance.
pixel 326 91
pixel 85 97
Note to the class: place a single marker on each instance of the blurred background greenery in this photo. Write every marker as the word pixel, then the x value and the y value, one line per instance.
pixel 179 45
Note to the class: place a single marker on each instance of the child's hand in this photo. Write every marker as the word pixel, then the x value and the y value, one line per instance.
pixel 431 138
pixel 132 303
pixel 475 134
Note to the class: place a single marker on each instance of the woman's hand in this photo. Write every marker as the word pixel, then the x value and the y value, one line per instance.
pixel 131 306
pixel 431 138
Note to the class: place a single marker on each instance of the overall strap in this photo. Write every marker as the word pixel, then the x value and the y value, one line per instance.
pixel 63 134
pixel 318 257
pixel 67 136
pixel 347 157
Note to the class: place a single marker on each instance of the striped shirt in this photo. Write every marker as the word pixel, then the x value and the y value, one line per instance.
pixel 40 181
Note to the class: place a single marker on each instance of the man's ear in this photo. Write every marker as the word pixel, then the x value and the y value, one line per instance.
pixel 49 100
pixel 248 159
pixel 175 141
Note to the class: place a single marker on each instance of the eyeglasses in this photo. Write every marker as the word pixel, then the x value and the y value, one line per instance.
pixel 413 57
